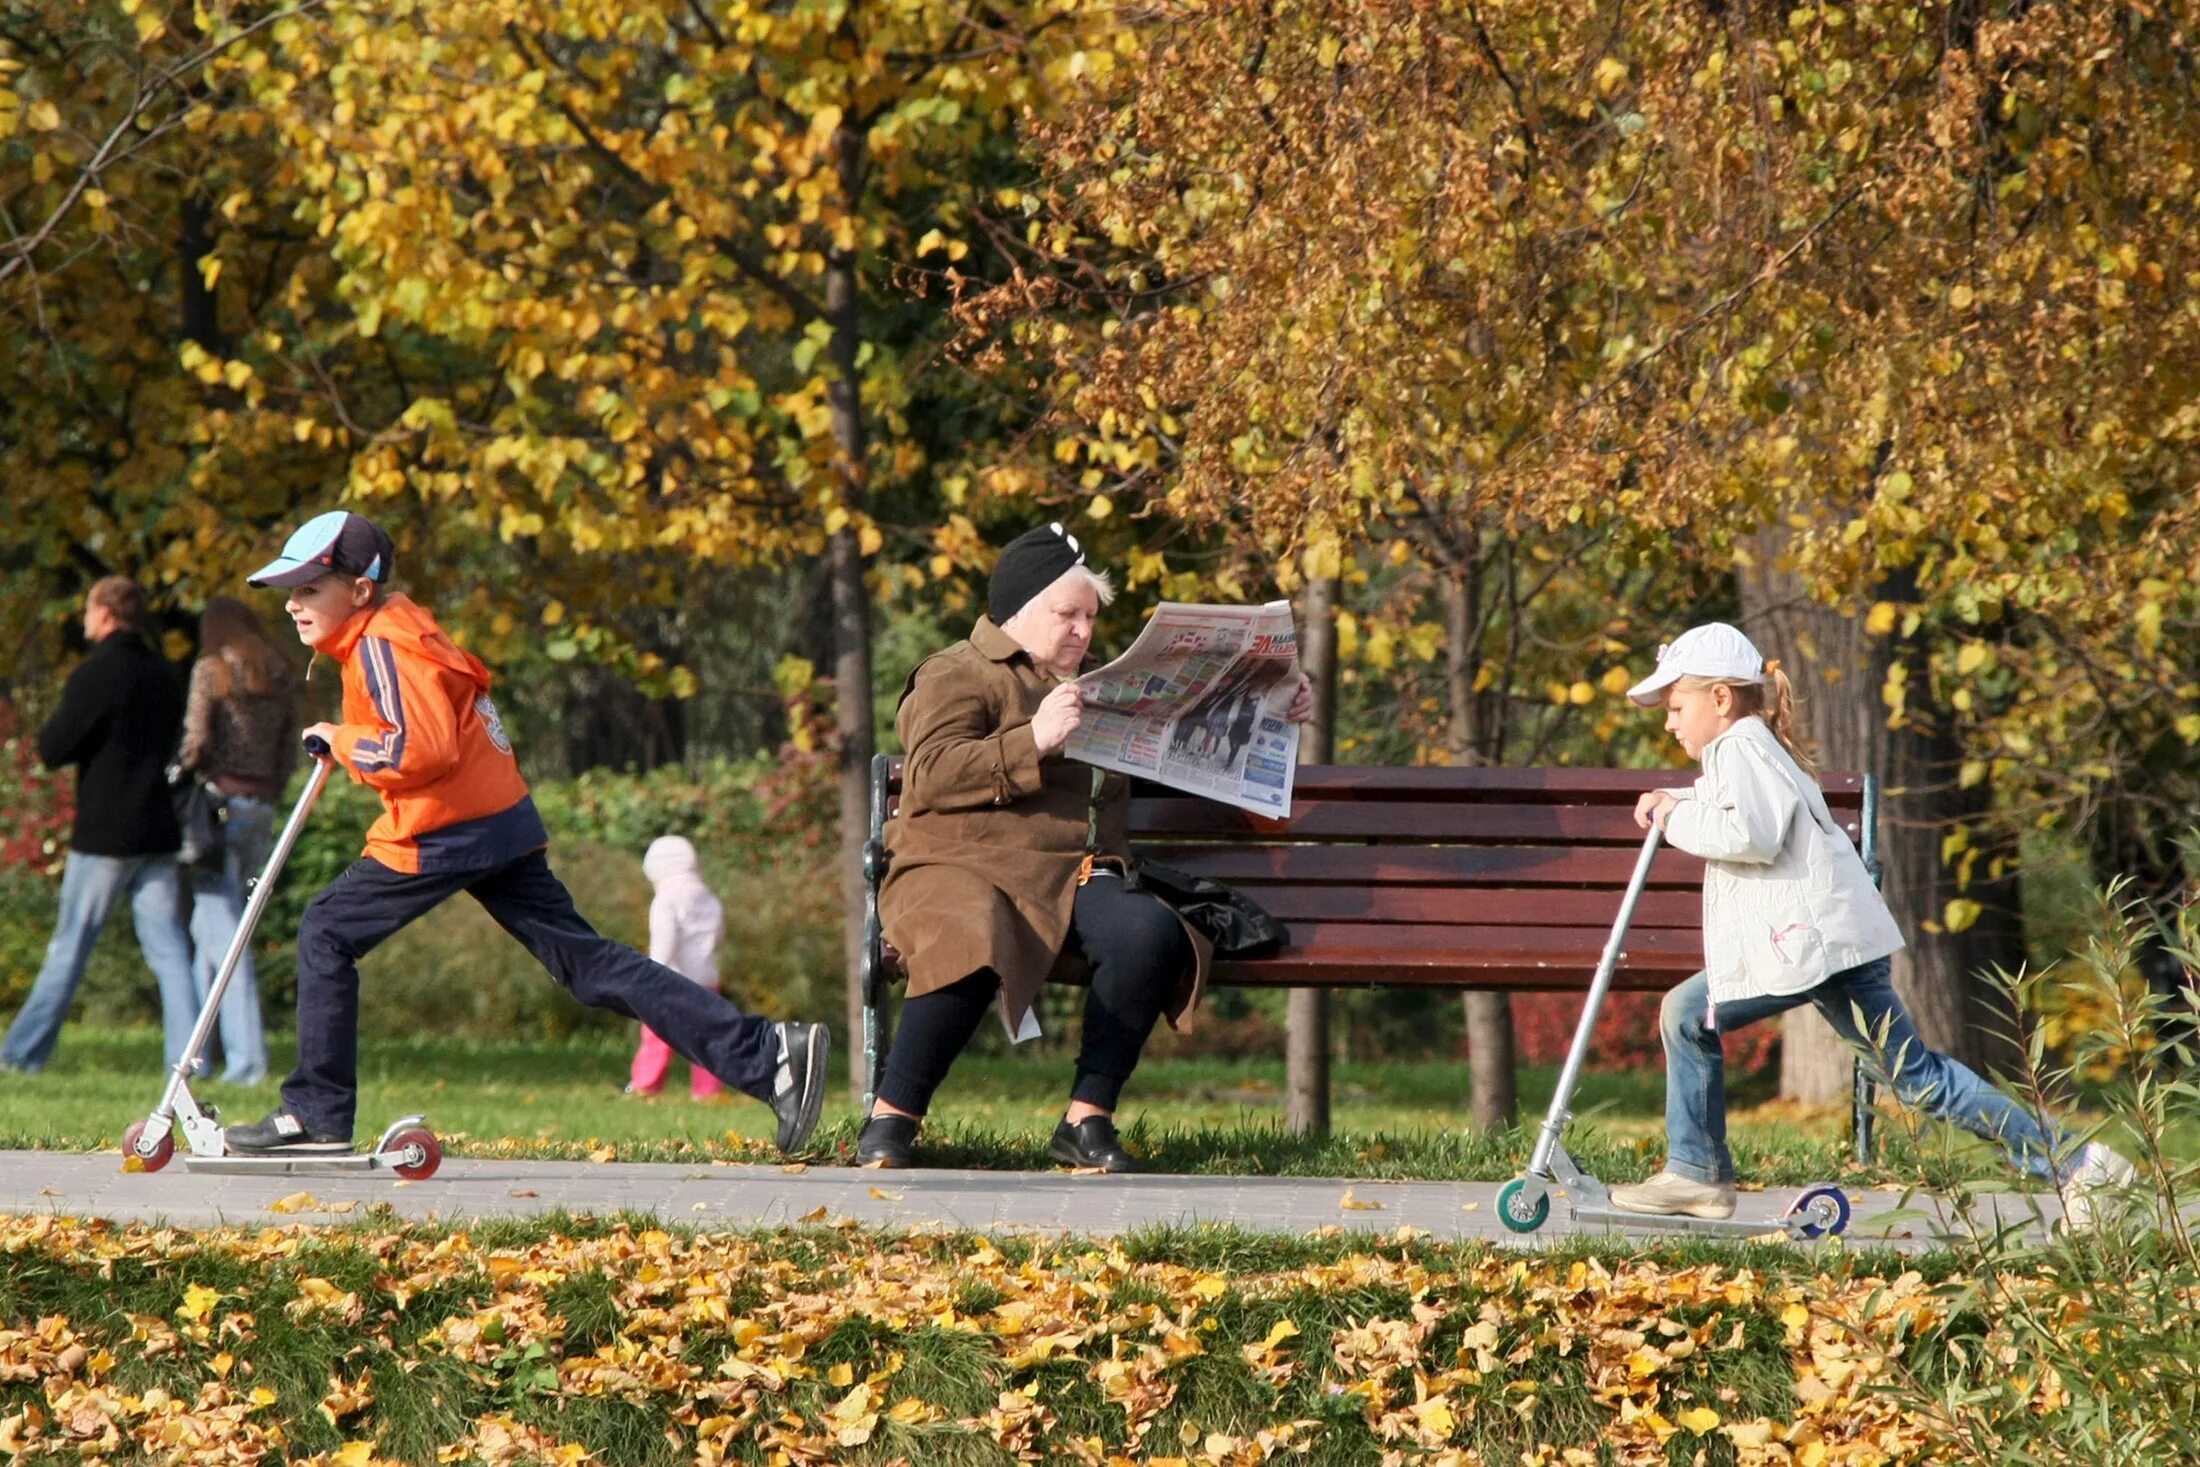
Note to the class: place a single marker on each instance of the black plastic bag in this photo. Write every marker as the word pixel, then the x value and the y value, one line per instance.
pixel 200 811
pixel 1238 926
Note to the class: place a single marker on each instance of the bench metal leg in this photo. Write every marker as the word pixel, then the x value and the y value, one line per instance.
pixel 1862 1115
pixel 874 936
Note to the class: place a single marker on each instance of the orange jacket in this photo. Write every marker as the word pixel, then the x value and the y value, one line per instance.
pixel 420 729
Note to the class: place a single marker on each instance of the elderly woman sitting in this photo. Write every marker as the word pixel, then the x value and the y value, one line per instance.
pixel 1008 857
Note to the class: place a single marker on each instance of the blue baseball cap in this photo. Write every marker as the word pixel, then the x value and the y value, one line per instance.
pixel 339 543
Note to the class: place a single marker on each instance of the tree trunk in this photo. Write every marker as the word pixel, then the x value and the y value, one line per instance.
pixel 851 599
pixel 1493 1098
pixel 1838 670
pixel 1306 1024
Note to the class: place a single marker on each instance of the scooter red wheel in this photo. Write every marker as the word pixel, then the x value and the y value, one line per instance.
pixel 151 1161
pixel 419 1151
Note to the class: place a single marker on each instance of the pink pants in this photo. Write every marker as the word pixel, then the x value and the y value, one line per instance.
pixel 654 1058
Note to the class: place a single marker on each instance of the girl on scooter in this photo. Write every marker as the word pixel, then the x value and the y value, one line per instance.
pixel 1791 916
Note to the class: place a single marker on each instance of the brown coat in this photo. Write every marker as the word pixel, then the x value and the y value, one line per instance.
pixel 989 837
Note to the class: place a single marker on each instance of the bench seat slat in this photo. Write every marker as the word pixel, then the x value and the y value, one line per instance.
pixel 1374 972
pixel 1511 866
pixel 1412 942
pixel 1470 907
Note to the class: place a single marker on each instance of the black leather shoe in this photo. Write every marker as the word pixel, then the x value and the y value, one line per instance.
pixel 887 1141
pixel 1091 1142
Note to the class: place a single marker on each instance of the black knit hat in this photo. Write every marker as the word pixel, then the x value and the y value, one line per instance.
pixel 1033 561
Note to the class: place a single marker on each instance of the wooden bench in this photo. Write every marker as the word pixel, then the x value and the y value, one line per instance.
pixel 1435 878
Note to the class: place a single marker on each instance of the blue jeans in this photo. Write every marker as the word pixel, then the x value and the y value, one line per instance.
pixel 1695 1072
pixel 217 905
pixel 90 888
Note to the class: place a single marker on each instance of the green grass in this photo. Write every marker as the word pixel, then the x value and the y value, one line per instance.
pixel 560 1098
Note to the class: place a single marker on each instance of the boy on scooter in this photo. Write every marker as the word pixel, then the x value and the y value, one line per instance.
pixel 419 727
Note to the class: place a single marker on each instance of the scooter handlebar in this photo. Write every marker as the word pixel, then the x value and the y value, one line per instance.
pixel 317 746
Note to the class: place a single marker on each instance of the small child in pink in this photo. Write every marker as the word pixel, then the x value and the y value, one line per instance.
pixel 685 924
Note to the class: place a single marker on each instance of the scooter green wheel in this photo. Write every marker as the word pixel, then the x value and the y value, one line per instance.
pixel 1516 1209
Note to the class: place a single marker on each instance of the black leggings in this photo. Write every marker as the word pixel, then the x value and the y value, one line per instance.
pixel 1137 951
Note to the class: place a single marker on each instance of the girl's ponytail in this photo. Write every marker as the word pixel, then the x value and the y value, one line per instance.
pixel 1778 696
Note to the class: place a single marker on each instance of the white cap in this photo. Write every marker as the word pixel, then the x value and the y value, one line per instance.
pixel 1713 650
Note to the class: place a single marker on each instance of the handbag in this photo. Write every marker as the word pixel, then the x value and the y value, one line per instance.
pixel 1238 926
pixel 200 811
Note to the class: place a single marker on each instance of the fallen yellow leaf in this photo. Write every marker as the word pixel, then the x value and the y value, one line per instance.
pixel 815 1214
pixel 1698 1419
pixel 295 1202
pixel 885 1196
pixel 1349 1203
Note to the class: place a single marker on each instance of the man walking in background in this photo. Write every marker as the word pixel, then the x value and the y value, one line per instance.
pixel 120 714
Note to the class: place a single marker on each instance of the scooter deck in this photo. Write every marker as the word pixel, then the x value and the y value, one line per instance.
pixel 1721 1227
pixel 277 1164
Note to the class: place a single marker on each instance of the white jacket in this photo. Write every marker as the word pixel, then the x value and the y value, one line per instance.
pixel 685 920
pixel 1787 902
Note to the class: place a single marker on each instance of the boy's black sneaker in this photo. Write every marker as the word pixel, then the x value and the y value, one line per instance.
pixel 282 1131
pixel 798 1098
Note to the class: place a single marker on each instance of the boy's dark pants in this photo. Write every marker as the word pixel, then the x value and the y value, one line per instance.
pixel 369 902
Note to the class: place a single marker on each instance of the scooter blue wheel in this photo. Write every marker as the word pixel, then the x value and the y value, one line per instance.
pixel 1520 1209
pixel 1820 1212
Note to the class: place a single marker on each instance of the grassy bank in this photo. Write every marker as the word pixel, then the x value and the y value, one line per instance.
pixel 560 1098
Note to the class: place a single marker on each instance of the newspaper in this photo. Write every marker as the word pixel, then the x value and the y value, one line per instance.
pixel 1198 704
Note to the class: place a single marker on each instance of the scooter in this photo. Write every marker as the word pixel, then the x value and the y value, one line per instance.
pixel 407 1148
pixel 1524 1204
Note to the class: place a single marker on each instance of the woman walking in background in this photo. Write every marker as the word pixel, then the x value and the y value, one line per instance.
pixel 240 735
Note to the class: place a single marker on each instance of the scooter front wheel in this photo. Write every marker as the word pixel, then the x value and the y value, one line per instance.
pixel 152 1160
pixel 417 1154
pixel 1524 1204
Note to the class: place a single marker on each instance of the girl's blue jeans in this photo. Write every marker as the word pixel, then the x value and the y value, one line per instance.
pixel 1864 1010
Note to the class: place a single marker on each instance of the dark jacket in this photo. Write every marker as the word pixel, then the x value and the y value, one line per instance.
pixel 120 713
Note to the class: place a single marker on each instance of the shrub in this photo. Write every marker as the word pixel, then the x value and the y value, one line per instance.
pixel 37 805
pixel 1626 1035
pixel 2079 1349
pixel 759 828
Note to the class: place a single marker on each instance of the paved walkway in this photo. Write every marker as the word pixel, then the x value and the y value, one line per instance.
pixel 465 1189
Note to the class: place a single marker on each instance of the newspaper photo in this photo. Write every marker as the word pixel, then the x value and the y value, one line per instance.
pixel 1198 704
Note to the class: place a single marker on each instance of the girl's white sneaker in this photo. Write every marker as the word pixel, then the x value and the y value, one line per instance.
pixel 1669 1194
pixel 2099 1169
